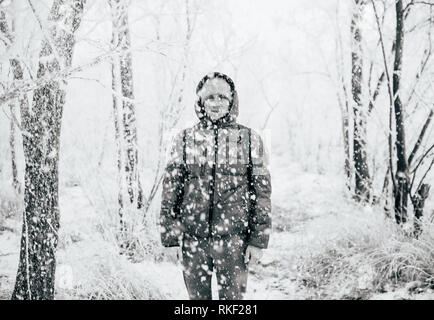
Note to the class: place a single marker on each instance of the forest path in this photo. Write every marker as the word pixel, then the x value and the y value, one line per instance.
pixel 301 201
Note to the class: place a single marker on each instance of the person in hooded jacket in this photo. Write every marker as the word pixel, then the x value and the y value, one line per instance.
pixel 216 204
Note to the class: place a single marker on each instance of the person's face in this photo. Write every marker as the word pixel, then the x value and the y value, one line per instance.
pixel 216 96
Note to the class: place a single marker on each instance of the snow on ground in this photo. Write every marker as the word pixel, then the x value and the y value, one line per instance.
pixel 299 198
pixel 9 248
pixel 82 247
pixel 89 266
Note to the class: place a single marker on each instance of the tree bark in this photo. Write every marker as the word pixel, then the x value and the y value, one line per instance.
pixel 12 143
pixel 41 142
pixel 346 135
pixel 118 135
pixel 418 201
pixel 402 176
pixel 362 178
pixel 121 36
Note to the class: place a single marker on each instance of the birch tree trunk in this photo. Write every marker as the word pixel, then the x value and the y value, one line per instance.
pixel 42 124
pixel 121 40
pixel 362 178
pixel 117 126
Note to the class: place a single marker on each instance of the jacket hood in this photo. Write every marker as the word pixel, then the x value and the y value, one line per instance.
pixel 232 114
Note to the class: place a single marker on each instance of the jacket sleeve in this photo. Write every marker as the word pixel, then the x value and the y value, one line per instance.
pixel 171 199
pixel 260 213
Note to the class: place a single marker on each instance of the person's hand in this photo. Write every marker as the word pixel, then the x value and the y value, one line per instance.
pixel 253 255
pixel 175 254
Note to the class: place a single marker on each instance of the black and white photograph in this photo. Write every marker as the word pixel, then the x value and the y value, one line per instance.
pixel 241 150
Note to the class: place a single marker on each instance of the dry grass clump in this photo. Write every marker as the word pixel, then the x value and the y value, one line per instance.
pixel 112 278
pixel 360 253
pixel 403 259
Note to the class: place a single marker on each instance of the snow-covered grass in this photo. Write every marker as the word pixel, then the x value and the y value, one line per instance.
pixel 108 276
pixel 358 253
pixel 91 266
pixel 323 246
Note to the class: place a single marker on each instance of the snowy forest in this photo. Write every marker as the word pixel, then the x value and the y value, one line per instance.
pixel 93 92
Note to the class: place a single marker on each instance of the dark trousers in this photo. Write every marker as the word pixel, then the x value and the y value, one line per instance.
pixel 225 255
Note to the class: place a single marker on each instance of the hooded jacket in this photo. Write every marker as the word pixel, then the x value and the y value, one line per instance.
pixel 216 181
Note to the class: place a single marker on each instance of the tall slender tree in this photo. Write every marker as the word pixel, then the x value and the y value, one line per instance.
pixel 402 175
pixel 41 142
pixel 17 74
pixel 121 40
pixel 12 141
pixel 402 188
pixel 118 129
pixel 125 123
pixel 362 178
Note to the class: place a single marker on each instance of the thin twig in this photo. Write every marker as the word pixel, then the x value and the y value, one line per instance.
pixel 423 177
pixel 46 34
pixel 421 136
pixel 418 165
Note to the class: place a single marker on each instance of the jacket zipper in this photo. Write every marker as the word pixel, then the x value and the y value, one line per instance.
pixel 212 186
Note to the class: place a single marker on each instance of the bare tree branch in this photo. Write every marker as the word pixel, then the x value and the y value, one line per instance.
pixel 421 135
pixel 424 176
pixel 46 34
pixel 407 7
pixel 419 164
